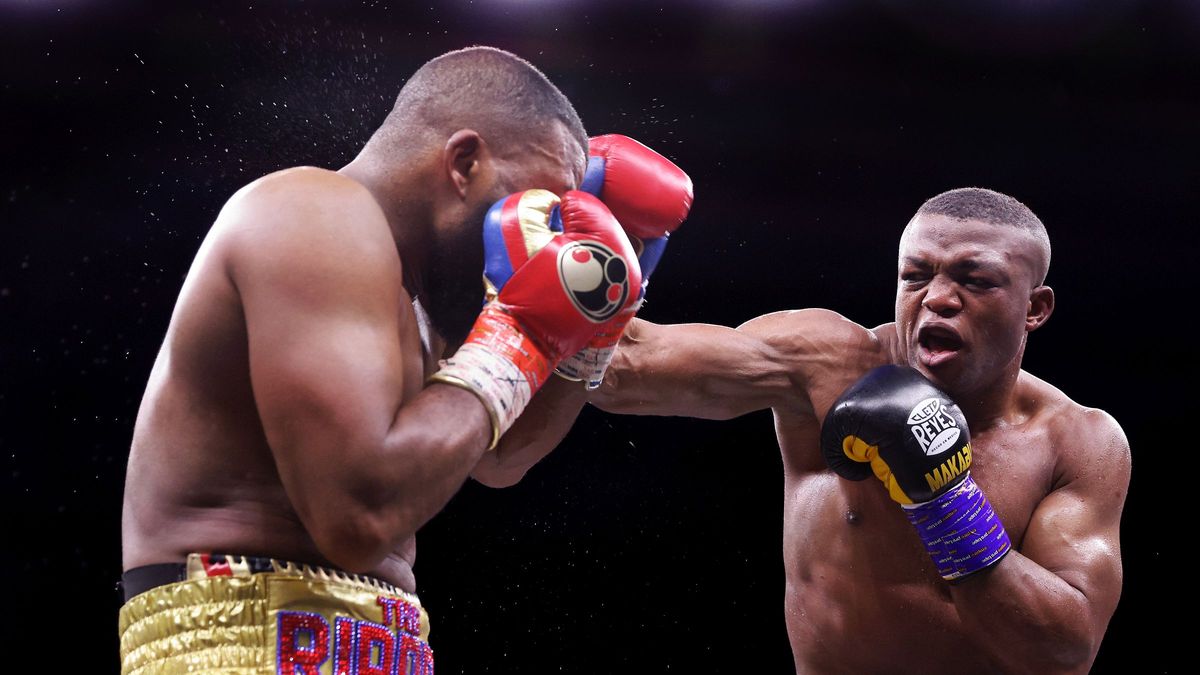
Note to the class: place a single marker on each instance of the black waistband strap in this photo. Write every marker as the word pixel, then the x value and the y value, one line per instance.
pixel 141 579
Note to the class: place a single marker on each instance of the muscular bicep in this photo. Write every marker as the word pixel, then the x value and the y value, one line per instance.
pixel 693 370
pixel 1075 531
pixel 320 289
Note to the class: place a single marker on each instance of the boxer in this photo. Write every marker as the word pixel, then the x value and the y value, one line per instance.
pixel 993 542
pixel 328 379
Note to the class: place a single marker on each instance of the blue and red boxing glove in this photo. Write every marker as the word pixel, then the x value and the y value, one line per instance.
pixel 897 425
pixel 555 270
pixel 650 197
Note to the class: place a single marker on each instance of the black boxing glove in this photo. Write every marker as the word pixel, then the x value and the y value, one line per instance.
pixel 894 423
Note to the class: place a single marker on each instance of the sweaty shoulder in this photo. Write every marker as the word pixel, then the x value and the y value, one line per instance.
pixel 308 238
pixel 1086 440
pixel 305 207
pixel 302 187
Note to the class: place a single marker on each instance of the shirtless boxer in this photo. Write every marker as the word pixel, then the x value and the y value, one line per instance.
pixel 318 397
pixel 863 594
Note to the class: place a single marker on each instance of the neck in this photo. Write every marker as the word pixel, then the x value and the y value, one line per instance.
pixel 992 404
pixel 408 214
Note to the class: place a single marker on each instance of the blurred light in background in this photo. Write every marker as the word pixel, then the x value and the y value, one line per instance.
pixel 1012 26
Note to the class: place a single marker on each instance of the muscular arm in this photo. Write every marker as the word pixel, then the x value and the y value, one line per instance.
pixel 693 370
pixel 714 372
pixel 1046 608
pixel 697 370
pixel 320 282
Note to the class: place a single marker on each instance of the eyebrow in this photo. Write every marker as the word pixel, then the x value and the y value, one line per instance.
pixel 968 265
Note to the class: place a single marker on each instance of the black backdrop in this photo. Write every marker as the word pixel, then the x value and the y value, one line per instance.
pixel 812 130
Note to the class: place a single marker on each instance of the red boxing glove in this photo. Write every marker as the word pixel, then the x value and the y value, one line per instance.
pixel 651 197
pixel 648 194
pixel 554 292
pixel 577 281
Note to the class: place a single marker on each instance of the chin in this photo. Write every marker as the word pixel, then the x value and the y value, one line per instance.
pixel 946 377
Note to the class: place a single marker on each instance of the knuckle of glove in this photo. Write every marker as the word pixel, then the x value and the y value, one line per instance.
pixel 515 229
pixel 578 280
pixel 648 193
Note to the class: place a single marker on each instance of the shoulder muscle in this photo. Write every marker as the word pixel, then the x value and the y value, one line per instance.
pixel 308 220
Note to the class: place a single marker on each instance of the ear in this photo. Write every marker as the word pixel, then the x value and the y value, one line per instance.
pixel 463 159
pixel 1041 306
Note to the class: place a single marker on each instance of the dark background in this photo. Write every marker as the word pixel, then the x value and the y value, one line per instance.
pixel 812 131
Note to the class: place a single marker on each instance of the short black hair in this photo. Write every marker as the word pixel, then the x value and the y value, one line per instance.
pixel 496 93
pixel 989 206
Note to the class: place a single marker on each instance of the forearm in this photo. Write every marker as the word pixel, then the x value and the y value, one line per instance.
pixel 1027 618
pixel 693 370
pixel 535 434
pixel 437 439
pixel 643 379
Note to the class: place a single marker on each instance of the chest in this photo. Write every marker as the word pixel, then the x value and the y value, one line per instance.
pixel 1016 470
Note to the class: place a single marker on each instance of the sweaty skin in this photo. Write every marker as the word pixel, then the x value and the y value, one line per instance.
pixel 287 413
pixel 862 595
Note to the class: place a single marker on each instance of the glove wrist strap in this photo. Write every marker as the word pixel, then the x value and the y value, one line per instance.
pixel 501 365
pixel 589 364
pixel 960 530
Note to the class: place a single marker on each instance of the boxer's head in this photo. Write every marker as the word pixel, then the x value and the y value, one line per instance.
pixel 470 127
pixel 971 286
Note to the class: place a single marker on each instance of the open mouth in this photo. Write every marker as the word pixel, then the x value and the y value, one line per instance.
pixel 938 344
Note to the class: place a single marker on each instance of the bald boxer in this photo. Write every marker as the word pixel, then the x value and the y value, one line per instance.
pixel 328 379
pixel 990 541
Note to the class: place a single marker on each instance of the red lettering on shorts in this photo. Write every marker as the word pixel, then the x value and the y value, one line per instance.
pixel 343 646
pixel 388 605
pixel 303 643
pixel 414 657
pixel 376 649
pixel 403 614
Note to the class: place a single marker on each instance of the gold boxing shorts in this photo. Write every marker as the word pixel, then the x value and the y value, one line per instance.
pixel 239 615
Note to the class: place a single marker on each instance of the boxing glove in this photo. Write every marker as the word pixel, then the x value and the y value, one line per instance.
pixel 897 425
pixel 647 193
pixel 555 269
pixel 650 196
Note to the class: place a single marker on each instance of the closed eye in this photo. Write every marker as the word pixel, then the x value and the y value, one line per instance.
pixel 981 283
